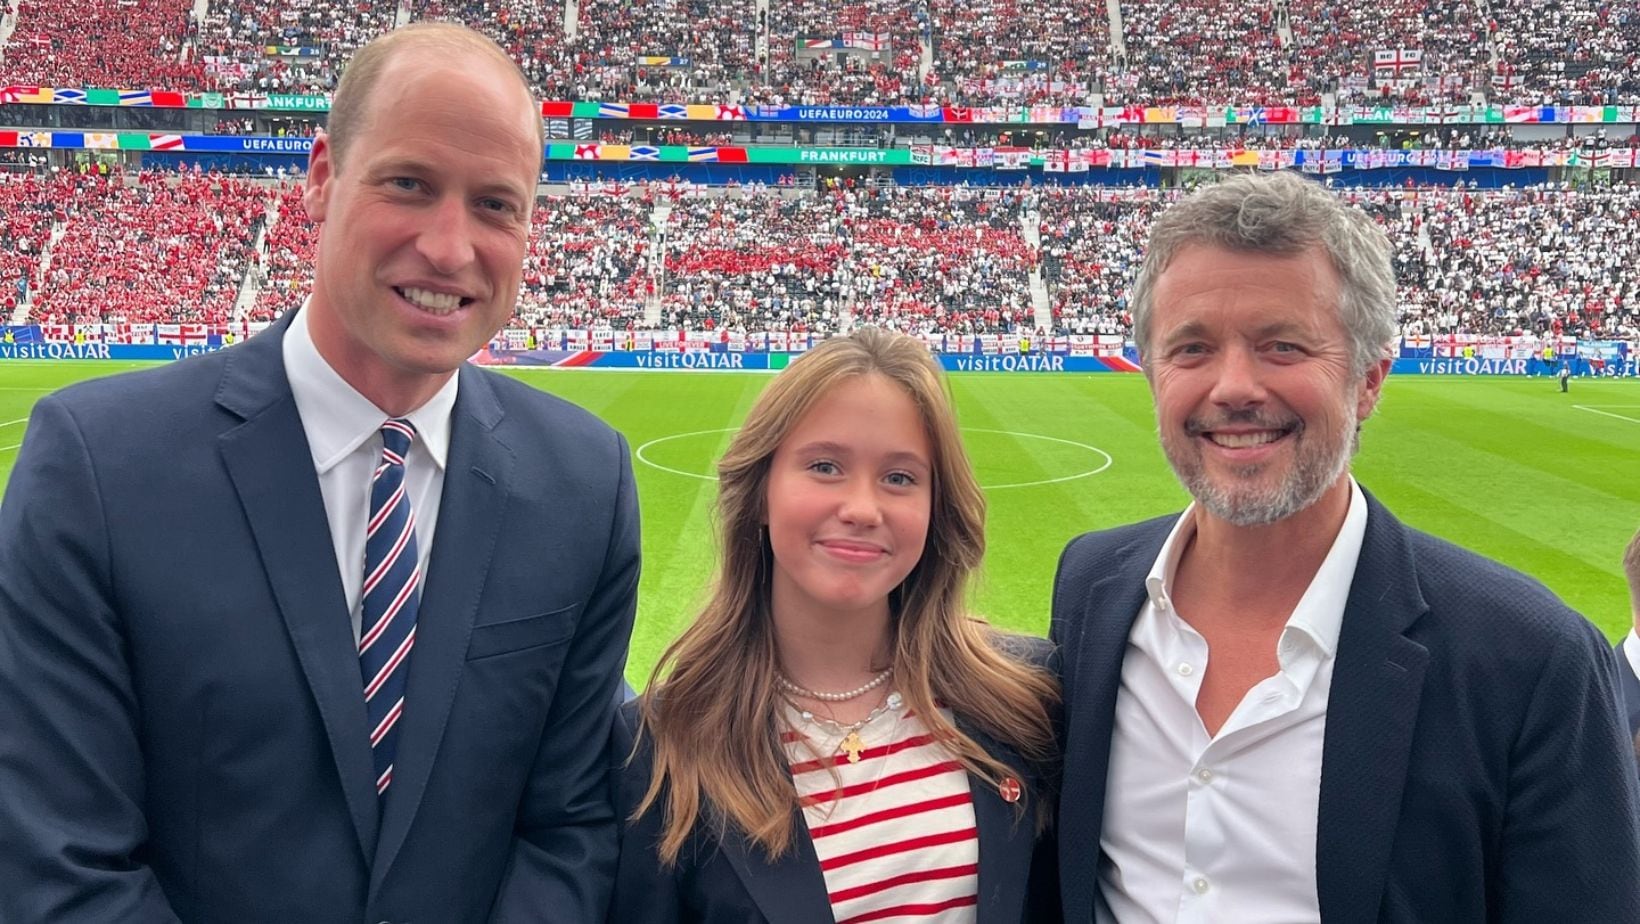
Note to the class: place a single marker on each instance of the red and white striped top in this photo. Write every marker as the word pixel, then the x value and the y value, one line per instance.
pixel 900 843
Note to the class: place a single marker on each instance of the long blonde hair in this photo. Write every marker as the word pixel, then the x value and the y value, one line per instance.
pixel 711 707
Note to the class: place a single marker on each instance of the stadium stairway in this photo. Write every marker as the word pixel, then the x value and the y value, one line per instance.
pixel 20 316
pixel 402 16
pixel 572 18
pixel 1030 227
pixel 760 44
pixel 250 285
pixel 1113 15
pixel 8 25
pixel 657 266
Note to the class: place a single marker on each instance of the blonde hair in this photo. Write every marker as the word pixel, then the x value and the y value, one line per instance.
pixel 742 778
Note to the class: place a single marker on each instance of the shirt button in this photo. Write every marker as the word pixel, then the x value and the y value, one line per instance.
pixel 1200 885
pixel 1204 776
pixel 1185 670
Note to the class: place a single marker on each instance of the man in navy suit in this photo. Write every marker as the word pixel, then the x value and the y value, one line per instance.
pixel 328 626
pixel 1284 705
pixel 1628 650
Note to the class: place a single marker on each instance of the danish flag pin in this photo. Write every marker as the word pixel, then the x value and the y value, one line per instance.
pixel 1009 789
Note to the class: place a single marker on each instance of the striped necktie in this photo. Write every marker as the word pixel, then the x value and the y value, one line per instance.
pixel 390 596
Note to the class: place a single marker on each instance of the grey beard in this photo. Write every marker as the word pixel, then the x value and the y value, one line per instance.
pixel 1312 475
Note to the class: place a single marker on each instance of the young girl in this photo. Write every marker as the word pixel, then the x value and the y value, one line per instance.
pixel 835 738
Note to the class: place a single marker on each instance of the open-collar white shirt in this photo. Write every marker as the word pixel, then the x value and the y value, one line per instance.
pixel 343 431
pixel 1220 829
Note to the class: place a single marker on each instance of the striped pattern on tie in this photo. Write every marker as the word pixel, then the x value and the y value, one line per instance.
pixel 389 598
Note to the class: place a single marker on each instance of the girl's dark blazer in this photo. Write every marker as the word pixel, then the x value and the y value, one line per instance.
pixel 729 881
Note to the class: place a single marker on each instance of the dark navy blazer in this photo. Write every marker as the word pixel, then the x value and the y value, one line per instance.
pixel 730 881
pixel 1475 766
pixel 183 733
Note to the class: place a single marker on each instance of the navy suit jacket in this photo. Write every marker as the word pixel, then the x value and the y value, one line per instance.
pixel 183 733
pixel 731 881
pixel 1474 769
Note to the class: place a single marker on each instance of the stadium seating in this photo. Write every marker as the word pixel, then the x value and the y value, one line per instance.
pixel 176 248
pixel 1204 52
pixel 232 44
pixel 587 262
pixel 1019 51
pixel 1335 41
pixel 159 249
pixel 28 205
pixel 287 272
pixel 73 43
pixel 1536 260
pixel 1092 242
pixel 717 36
pixel 983 52
pixel 1539 261
pixel 822 81
pixel 1578 51
pixel 532 32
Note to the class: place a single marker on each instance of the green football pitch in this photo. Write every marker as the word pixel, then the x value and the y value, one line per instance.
pixel 1546 482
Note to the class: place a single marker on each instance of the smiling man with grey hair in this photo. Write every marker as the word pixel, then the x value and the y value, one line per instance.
pixel 1284 704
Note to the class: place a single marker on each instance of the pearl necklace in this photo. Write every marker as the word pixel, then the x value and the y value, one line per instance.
pixel 787 686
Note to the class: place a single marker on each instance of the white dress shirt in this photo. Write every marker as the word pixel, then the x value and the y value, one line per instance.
pixel 1220 829
pixel 1631 649
pixel 344 432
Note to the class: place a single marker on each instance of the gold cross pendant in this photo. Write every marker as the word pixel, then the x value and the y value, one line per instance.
pixel 853 745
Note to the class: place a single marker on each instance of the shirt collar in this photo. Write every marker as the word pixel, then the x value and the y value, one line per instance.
pixel 1319 615
pixel 338 419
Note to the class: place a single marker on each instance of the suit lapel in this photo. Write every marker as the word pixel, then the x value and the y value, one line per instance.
pixel 791 890
pixel 268 460
pixel 1096 645
pixel 1372 712
pixel 1629 686
pixel 469 523
pixel 1007 836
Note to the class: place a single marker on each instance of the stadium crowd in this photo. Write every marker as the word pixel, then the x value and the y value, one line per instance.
pixel 74 43
pixel 160 249
pixel 1018 51
pixel 1539 261
pixel 981 52
pixel 232 42
pixel 1334 45
pixel 286 275
pixel 1578 51
pixel 167 247
pixel 587 263
pixel 29 205
pixel 1204 52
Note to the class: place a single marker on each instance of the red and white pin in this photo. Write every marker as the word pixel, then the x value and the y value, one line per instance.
pixel 1009 789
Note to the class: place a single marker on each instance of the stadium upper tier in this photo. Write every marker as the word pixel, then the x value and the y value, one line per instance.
pixel 877 52
pixel 160 247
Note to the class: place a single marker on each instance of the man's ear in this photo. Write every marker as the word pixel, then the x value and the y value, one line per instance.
pixel 1372 387
pixel 321 170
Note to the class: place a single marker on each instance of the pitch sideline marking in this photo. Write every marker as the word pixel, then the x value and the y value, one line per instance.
pixel 13 423
pixel 1595 409
pixel 1109 461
